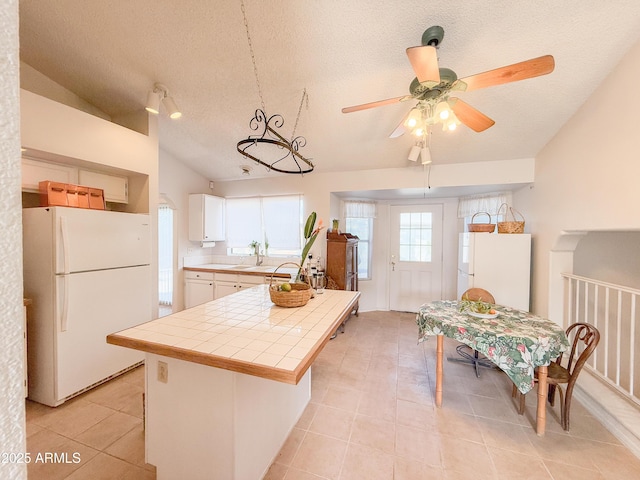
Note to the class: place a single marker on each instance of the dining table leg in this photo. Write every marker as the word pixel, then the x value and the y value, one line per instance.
pixel 439 357
pixel 541 413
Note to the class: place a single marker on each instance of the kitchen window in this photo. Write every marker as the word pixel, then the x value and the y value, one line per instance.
pixel 275 222
pixel 359 218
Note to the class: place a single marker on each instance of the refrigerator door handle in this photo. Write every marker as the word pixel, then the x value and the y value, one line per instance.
pixel 64 317
pixel 65 244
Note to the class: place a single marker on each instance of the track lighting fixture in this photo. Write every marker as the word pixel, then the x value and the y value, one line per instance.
pixel 158 93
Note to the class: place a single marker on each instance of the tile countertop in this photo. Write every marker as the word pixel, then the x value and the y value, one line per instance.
pixel 246 333
pixel 264 270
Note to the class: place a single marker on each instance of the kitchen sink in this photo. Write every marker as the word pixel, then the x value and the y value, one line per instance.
pixel 241 267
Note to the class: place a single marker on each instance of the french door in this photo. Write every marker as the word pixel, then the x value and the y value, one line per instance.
pixel 415 266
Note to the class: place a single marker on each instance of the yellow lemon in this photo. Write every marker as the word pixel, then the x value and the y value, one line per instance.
pixel 285 287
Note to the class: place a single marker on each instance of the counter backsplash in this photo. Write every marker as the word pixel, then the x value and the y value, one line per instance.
pixel 235 260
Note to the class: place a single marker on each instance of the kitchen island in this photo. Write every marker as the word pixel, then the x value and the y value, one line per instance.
pixel 226 381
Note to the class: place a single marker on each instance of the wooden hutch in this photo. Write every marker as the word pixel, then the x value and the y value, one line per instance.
pixel 342 262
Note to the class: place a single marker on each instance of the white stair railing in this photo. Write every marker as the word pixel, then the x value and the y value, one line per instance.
pixel 612 310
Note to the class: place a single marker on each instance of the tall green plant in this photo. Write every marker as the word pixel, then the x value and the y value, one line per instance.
pixel 310 234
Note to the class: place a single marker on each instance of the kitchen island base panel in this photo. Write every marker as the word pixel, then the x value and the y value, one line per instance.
pixel 215 424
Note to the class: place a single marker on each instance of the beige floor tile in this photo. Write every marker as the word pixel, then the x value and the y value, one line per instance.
pixel 276 471
pixel 374 433
pixel 362 462
pixel 43 447
pixel 408 469
pixel 118 395
pixel 613 461
pixel 458 425
pixel 518 466
pixel 563 471
pixel 332 422
pixel 466 457
pixel 320 455
pixel 106 467
pixel 290 447
pixel 341 397
pixel 104 433
pixel 504 435
pixel 381 405
pixel 295 474
pixel 416 415
pixel 73 417
pixel 307 416
pixel 130 448
pixel 419 445
pixel 493 408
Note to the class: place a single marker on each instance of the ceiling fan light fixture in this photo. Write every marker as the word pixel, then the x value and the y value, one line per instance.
pixel 415 116
pixel 425 155
pixel 414 153
pixel 442 110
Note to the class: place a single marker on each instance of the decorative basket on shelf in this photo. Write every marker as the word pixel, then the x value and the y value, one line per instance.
pixel 510 226
pixel 481 227
pixel 298 296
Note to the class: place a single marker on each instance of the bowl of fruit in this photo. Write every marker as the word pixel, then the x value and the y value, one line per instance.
pixel 478 308
pixel 289 294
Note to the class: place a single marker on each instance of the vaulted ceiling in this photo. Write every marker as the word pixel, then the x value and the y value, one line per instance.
pixel 342 53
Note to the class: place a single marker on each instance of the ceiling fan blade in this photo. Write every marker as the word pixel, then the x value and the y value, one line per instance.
pixel 400 129
pixel 424 60
pixel 379 103
pixel 472 118
pixel 511 73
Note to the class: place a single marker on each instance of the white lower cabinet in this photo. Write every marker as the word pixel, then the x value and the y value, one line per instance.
pixel 228 283
pixel 199 287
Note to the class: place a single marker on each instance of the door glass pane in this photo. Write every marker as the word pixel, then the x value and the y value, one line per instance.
pixel 415 236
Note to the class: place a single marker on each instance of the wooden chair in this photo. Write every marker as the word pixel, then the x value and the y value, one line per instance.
pixel 585 340
pixel 464 351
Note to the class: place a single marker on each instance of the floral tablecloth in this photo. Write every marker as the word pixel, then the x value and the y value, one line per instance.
pixel 516 341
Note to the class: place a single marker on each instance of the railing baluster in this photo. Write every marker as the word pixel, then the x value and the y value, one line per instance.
pixel 618 336
pixel 606 332
pixel 632 337
pixel 602 319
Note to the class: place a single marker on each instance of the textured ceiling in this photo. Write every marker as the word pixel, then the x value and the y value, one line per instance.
pixel 110 53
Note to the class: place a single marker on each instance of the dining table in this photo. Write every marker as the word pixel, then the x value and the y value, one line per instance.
pixel 518 342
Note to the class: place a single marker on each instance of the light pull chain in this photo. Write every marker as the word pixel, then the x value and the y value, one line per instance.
pixel 302 101
pixel 253 57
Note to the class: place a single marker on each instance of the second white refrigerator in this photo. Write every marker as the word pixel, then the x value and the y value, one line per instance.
pixel 499 263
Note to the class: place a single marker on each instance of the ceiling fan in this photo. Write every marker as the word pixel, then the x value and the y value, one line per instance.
pixel 433 85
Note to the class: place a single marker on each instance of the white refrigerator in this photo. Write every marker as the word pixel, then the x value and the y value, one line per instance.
pixel 88 274
pixel 499 263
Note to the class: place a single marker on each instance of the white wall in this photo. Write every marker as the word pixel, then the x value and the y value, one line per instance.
pixel 319 195
pixel 12 414
pixel 587 176
pixel 177 181
pixel 587 181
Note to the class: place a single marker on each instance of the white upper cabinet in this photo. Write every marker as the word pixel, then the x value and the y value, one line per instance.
pixel 206 218
pixel 116 188
pixel 33 172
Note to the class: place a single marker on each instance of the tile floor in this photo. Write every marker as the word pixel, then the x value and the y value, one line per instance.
pixel 371 417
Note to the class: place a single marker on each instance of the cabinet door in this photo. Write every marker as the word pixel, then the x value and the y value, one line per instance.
pixel 116 188
pixel 33 172
pixel 214 218
pixel 225 288
pixel 197 292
